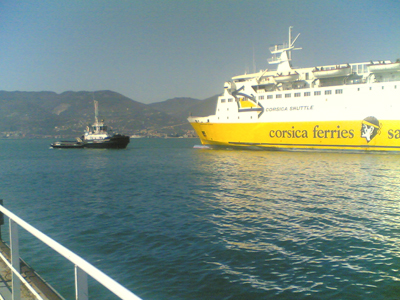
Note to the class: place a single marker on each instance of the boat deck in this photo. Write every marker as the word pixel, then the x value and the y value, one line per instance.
pixel 43 288
pixel 17 273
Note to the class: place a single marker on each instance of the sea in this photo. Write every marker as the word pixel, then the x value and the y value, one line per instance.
pixel 169 221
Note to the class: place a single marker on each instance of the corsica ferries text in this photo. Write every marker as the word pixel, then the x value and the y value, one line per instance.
pixel 394 134
pixel 316 133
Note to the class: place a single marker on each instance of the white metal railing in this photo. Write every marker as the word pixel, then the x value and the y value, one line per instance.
pixel 274 59
pixel 82 267
pixel 279 47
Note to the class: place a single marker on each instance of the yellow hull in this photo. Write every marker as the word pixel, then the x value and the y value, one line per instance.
pixel 361 135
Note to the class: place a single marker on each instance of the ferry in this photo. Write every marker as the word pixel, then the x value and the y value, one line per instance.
pixel 342 107
pixel 96 136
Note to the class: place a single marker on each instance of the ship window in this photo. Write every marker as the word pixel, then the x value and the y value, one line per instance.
pixel 340 91
pixel 317 93
pixel 307 76
pixel 261 97
pixel 395 86
pixel 230 100
pixel 279 96
pixel 383 87
pixel 270 96
pixel 307 94
pixel 288 95
pixel 370 88
pixel 328 92
pixel 359 69
pixel 222 100
pixel 297 94
pixel 227 108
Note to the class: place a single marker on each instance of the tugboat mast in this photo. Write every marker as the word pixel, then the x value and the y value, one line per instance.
pixel 96 111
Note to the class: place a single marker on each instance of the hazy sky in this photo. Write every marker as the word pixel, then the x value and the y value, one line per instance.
pixel 151 51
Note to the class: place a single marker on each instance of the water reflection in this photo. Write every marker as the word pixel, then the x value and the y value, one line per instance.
pixel 306 221
pixel 176 222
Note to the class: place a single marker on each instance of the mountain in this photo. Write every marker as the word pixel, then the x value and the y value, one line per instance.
pixel 204 108
pixel 40 114
pixel 175 106
pixel 66 115
pixel 181 108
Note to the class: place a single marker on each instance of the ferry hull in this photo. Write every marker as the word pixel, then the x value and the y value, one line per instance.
pixel 357 135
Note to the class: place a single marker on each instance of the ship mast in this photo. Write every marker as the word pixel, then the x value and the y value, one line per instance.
pixel 282 54
pixel 96 110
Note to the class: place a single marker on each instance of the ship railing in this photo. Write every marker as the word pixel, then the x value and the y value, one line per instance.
pixel 82 267
pixel 274 59
pixel 387 79
pixel 278 48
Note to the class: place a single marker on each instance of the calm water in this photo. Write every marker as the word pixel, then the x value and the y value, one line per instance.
pixel 172 222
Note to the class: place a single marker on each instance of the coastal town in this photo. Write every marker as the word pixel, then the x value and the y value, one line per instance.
pixel 139 134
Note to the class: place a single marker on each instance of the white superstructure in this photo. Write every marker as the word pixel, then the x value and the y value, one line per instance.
pixel 319 107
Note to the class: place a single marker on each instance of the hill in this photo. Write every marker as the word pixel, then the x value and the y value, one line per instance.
pixel 175 106
pixel 48 114
pixel 181 108
pixel 66 115
pixel 205 108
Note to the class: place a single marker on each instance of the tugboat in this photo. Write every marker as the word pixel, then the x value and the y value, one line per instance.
pixel 96 136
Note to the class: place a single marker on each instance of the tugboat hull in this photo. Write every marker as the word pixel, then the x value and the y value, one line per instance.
pixel 115 142
pixel 67 144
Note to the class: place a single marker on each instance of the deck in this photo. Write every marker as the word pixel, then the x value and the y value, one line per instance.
pixel 41 287
pixel 20 281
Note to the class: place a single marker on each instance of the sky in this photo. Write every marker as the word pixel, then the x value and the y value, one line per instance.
pixel 151 51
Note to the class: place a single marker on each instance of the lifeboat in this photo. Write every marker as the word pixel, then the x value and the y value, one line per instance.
pixel 330 73
pixel 282 78
pixel 383 67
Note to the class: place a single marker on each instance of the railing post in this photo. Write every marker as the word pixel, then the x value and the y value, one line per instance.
pixel 1 218
pixel 81 284
pixel 16 283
